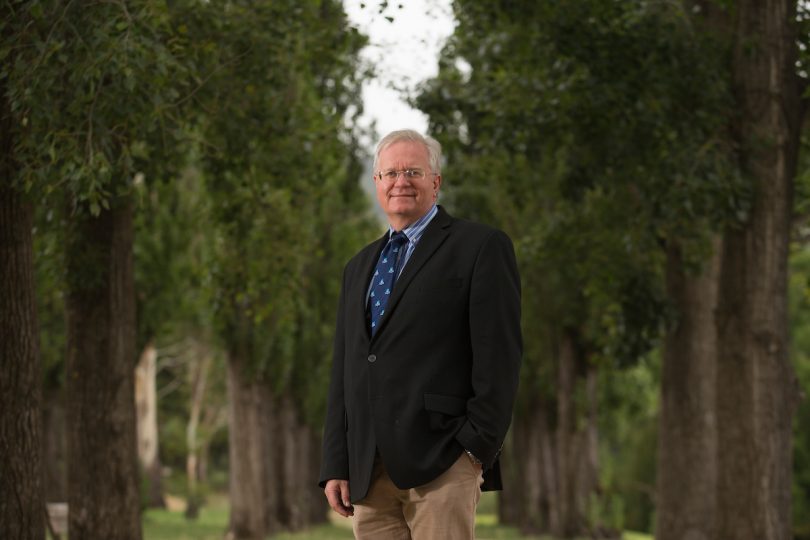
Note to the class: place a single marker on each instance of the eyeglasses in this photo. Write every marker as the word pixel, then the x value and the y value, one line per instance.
pixel 391 175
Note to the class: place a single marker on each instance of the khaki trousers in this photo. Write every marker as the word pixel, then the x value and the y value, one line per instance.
pixel 443 509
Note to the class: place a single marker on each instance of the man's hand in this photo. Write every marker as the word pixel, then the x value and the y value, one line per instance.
pixel 337 493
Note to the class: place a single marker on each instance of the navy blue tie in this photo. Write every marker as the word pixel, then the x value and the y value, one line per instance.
pixel 384 276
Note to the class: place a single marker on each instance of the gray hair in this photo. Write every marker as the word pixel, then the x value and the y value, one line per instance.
pixel 434 149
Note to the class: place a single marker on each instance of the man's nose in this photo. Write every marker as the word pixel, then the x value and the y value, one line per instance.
pixel 401 174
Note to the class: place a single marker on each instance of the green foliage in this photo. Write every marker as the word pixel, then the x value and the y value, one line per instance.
pixel 173 251
pixel 628 435
pixel 92 87
pixel 593 133
pixel 172 434
pixel 799 295
pixel 280 170
pixel 49 277
pixel 589 131
pixel 225 124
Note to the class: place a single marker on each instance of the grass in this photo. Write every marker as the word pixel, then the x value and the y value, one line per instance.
pixel 173 525
pixel 213 519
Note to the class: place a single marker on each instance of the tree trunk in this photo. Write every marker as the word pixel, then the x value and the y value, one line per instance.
pixel 273 434
pixel 757 390
pixel 54 452
pixel 587 479
pixel 198 377
pixel 529 499
pixel 687 433
pixel 568 525
pixel 544 443
pixel 251 482
pixel 576 447
pixel 102 452
pixel 146 404
pixel 298 454
pixel 318 506
pixel 290 451
pixel 21 501
pixel 551 462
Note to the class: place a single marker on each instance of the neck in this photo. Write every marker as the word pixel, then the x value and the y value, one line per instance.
pixel 400 224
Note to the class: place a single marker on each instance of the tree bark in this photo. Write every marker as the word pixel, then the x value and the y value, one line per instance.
pixel 198 376
pixel 568 522
pixel 318 506
pixel 290 450
pixel 298 454
pixel 21 500
pixel 251 464
pixel 576 446
pixel 146 405
pixel 529 499
pixel 54 458
pixel 102 450
pixel 757 390
pixel 687 433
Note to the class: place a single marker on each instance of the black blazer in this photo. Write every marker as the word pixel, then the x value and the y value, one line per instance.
pixel 441 373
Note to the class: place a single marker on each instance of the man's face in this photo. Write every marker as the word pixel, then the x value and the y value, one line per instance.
pixel 405 200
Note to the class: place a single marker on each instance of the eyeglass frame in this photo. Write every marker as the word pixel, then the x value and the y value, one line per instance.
pixel 379 175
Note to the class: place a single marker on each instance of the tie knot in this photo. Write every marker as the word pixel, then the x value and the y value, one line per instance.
pixel 398 239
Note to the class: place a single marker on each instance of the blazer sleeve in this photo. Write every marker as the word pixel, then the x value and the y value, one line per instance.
pixel 496 348
pixel 335 458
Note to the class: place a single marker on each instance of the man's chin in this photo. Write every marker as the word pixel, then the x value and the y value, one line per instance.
pixel 402 207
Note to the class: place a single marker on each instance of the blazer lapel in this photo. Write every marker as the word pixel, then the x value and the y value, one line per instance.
pixel 436 233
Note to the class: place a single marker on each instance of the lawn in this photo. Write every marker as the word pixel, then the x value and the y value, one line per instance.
pixel 172 525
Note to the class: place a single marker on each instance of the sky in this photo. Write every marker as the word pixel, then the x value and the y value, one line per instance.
pixel 404 52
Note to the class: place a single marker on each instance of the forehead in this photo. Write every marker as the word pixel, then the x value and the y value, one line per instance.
pixel 404 154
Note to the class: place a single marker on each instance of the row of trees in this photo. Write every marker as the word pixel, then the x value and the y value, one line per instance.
pixel 184 172
pixel 643 157
pixel 178 177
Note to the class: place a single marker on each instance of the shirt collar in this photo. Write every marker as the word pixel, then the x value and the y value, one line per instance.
pixel 414 230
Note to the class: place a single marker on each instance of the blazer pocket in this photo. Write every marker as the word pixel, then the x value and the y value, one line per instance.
pixel 445 413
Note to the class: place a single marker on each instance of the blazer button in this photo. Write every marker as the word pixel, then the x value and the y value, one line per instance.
pixel 372 358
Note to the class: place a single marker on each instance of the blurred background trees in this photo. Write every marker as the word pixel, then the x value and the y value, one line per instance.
pixel 617 144
pixel 180 192
pixel 186 151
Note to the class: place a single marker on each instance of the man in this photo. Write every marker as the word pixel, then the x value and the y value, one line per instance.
pixel 426 358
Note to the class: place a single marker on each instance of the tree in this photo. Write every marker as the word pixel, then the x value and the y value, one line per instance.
pixel 569 121
pixel 757 391
pixel 282 80
pixel 76 65
pixel 50 277
pixel 21 495
pixel 173 251
pixel 799 297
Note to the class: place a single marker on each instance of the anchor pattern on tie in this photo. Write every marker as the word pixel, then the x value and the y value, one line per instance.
pixel 384 276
